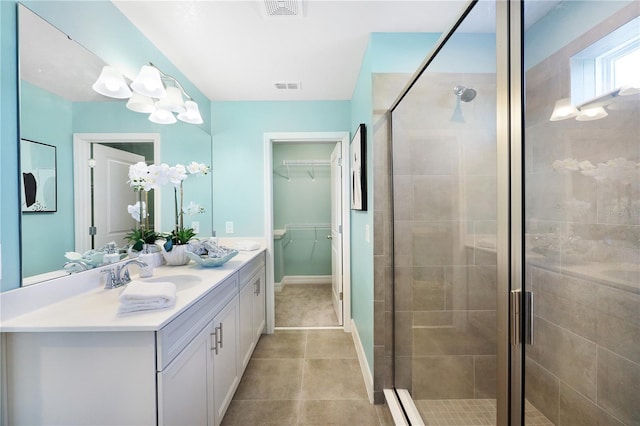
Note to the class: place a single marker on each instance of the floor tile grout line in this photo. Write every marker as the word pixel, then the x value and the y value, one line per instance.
pixel 304 358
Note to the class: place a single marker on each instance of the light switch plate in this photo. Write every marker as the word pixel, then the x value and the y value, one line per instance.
pixel 228 227
pixel 195 226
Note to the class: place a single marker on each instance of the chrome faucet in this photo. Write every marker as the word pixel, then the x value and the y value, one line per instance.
pixel 119 276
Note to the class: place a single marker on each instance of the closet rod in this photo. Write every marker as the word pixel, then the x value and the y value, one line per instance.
pixel 306 163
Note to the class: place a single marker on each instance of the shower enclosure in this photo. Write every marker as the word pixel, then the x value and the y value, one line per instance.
pixel 515 224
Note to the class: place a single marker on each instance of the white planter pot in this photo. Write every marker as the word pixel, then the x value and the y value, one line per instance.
pixel 177 256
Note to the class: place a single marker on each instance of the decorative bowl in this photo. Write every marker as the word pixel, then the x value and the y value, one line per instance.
pixel 211 262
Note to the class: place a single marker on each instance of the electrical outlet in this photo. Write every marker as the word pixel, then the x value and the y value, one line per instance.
pixel 195 226
pixel 228 227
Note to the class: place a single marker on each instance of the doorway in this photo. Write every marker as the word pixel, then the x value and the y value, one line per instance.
pixel 314 233
pixel 117 149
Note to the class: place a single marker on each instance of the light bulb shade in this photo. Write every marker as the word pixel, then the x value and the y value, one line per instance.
pixel 192 113
pixel 563 109
pixel 141 103
pixel 589 114
pixel 111 83
pixel 173 101
pixel 162 116
pixel 148 83
pixel 631 89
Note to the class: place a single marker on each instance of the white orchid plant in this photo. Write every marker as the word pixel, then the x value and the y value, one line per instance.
pixel 143 178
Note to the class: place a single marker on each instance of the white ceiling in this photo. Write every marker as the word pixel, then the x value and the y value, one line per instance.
pixel 231 49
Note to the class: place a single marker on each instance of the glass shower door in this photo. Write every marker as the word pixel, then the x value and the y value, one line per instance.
pixel 444 186
pixel 582 213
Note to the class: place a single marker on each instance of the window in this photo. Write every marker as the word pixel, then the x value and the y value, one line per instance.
pixel 606 65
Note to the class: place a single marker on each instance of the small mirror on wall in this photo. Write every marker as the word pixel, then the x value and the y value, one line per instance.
pixel 359 169
pixel 38 177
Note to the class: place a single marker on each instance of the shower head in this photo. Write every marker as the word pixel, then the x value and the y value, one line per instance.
pixel 465 94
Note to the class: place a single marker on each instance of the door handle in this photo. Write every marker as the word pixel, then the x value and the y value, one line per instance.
pixel 521 323
pixel 329 237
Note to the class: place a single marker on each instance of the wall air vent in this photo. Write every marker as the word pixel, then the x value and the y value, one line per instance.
pixel 287 85
pixel 283 8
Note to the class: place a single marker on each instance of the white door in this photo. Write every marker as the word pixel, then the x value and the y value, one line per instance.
pixel 336 231
pixel 111 172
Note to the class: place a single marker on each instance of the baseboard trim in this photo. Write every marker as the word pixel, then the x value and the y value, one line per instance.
pixel 305 279
pixel 362 359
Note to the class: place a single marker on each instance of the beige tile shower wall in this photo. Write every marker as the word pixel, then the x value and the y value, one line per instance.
pixel 444 184
pixel 583 253
pixel 386 88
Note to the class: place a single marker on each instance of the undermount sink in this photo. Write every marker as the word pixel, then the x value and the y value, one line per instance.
pixel 181 281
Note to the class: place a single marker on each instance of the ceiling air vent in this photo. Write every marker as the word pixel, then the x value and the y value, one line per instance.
pixel 283 8
pixel 287 85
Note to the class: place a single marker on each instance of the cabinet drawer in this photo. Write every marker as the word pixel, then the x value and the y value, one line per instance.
pixel 176 335
pixel 250 269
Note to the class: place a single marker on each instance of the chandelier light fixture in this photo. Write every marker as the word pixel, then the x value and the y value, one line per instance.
pixel 151 92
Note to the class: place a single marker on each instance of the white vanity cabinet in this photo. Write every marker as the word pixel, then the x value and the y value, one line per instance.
pixel 156 368
pixel 185 386
pixel 197 373
pixel 225 356
pixel 252 308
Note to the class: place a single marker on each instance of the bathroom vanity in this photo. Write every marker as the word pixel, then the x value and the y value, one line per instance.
pixel 77 361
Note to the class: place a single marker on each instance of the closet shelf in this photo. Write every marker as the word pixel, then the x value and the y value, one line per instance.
pixel 304 163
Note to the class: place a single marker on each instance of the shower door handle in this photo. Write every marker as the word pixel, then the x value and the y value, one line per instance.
pixel 514 322
pixel 521 321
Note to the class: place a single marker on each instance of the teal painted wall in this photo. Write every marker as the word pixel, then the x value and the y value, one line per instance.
pixel 386 53
pixel 238 150
pixel 361 250
pixel 302 200
pixel 47 119
pixel 98 26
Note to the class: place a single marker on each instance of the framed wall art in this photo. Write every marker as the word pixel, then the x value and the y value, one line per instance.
pixel 38 177
pixel 358 150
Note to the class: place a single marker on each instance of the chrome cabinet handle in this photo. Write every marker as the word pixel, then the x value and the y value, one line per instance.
pixel 214 336
pixel 256 285
pixel 220 338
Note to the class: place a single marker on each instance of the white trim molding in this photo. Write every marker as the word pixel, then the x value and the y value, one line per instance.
pixel 307 137
pixel 362 359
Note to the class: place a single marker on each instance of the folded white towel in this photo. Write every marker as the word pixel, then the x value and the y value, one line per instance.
pixel 143 296
pixel 247 245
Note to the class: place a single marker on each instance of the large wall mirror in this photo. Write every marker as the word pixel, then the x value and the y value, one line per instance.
pixel 59 109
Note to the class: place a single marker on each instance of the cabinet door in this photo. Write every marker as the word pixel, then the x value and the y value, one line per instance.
pixel 185 386
pixel 259 300
pixel 225 357
pixel 247 338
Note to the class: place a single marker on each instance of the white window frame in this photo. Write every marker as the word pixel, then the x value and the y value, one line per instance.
pixel 592 69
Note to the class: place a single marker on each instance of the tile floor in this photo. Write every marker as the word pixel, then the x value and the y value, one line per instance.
pixel 305 305
pixel 304 377
pixel 470 412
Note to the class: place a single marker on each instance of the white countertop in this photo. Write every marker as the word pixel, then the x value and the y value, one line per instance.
pixel 96 309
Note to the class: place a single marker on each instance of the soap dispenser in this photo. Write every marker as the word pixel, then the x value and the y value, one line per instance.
pixel 147 258
pixel 112 255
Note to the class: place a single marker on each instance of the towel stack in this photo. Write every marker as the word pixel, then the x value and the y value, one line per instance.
pixel 143 296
